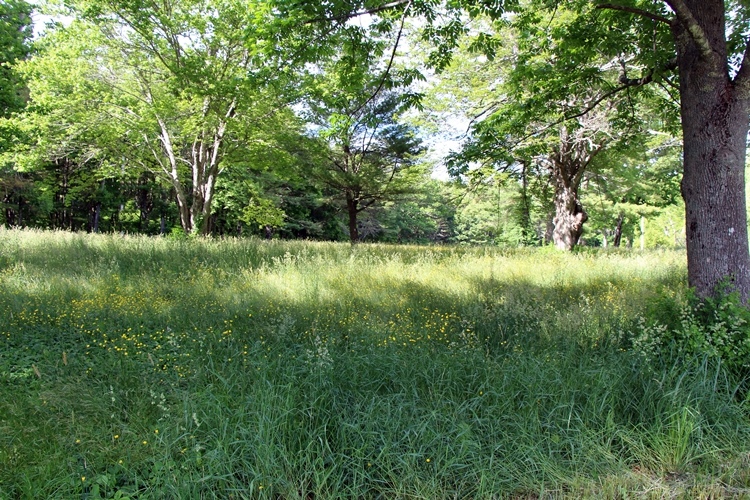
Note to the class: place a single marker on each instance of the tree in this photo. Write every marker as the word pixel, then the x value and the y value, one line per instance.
pixel 713 108
pixel 369 157
pixel 15 33
pixel 632 182
pixel 651 38
pixel 166 87
pixel 511 130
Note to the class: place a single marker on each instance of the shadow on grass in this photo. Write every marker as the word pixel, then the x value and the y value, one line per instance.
pixel 275 376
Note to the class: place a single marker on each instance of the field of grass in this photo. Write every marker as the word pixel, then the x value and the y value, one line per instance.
pixel 152 368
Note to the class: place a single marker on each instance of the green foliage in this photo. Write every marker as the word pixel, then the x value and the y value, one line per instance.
pixel 367 157
pixel 714 328
pixel 263 213
pixel 488 215
pixel 173 93
pixel 667 228
pixel 637 179
pixel 15 34
pixel 426 216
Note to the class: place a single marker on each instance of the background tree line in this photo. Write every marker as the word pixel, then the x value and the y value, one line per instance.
pixel 312 120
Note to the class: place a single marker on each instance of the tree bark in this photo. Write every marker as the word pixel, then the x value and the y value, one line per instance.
pixel 526 229
pixel 567 166
pixel 618 231
pixel 352 210
pixel 20 211
pixel 714 111
pixel 549 228
pixel 569 217
pixel 97 214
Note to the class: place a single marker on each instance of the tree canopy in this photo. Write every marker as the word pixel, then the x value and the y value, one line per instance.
pixel 561 97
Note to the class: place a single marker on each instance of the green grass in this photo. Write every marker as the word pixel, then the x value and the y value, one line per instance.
pixel 156 368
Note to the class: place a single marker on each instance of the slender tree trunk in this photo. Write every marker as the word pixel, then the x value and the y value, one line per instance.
pixel 351 208
pixel 526 229
pixel 186 221
pixel 97 214
pixel 549 229
pixel 20 211
pixel 714 111
pixel 618 230
pixel 65 218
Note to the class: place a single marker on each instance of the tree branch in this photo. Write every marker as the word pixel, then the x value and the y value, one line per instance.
pixel 670 65
pixel 688 21
pixel 625 85
pixel 640 12
pixel 350 15
pixel 625 82
pixel 390 62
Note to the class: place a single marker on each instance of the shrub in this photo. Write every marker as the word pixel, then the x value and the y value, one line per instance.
pixel 715 327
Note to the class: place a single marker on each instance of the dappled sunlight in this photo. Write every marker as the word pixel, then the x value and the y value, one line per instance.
pixel 244 362
pixel 158 300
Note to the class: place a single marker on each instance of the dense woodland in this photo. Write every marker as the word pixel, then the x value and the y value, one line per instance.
pixel 558 123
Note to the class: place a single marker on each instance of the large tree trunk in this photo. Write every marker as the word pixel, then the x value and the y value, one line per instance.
pixel 567 165
pixel 714 113
pixel 569 217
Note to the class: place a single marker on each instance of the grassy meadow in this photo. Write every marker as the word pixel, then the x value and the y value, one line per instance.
pixel 151 368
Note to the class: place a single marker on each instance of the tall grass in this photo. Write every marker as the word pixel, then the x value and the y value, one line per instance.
pixel 153 368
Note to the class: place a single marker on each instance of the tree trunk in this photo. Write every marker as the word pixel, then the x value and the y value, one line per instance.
pixel 714 112
pixel 643 233
pixel 567 165
pixel 526 229
pixel 186 221
pixel 20 211
pixel 618 231
pixel 549 229
pixel 97 214
pixel 351 208
pixel 569 217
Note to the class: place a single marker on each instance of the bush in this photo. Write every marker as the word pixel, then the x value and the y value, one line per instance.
pixel 717 327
